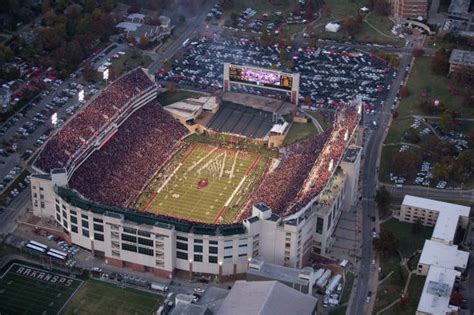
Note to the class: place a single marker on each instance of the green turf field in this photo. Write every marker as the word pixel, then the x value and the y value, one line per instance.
pixel 22 291
pixel 96 297
pixel 229 175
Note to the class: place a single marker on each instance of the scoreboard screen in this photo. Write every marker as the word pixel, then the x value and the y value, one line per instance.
pixel 256 76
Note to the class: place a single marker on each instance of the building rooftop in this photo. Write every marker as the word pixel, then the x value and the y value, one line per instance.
pixel 328 195
pixel 143 30
pixel 212 298
pixel 459 6
pixel 437 291
pixel 448 215
pixel 266 298
pixel 189 309
pixel 351 154
pixel 442 255
pixel 128 26
pixel 462 57
pixel 186 109
pixel 260 268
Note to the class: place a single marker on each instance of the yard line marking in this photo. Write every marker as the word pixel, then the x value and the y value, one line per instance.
pixel 147 205
pixel 253 165
pixel 188 154
pixel 219 214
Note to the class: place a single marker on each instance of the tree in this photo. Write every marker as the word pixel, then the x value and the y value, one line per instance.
pixel 387 243
pixel 404 91
pixel 89 74
pixel 418 52
pixel 406 163
pixel 309 10
pixel 352 25
pixel 171 87
pixel 426 106
pixel 383 199
pixel 440 62
pixel 447 121
pixel 440 171
pixel 284 55
pixel 382 7
pixel 227 5
pixel 144 41
pixel 412 136
pixel 456 298
pixel 307 100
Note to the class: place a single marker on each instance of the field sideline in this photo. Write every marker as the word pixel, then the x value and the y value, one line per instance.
pixel 203 184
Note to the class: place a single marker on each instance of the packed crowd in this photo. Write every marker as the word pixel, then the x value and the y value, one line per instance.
pixel 331 154
pixel 80 131
pixel 304 168
pixel 118 172
pixel 280 186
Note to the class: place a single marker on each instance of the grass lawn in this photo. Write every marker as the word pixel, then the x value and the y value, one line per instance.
pixel 381 23
pixel 167 97
pixel 129 62
pixel 346 294
pixel 391 288
pixel 21 292
pixel 339 311
pixel 102 298
pixel 201 185
pixel 413 293
pixel 300 131
pixel 398 128
pixel 409 241
pixel 422 79
pixel 325 123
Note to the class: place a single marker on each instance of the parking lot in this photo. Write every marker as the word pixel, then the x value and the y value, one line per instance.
pixel 331 76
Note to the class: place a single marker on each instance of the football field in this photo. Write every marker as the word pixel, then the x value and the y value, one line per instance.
pixel 97 297
pixel 32 290
pixel 203 183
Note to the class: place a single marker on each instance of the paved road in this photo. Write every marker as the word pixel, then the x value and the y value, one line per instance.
pixel 451 194
pixel 365 277
pixel 192 28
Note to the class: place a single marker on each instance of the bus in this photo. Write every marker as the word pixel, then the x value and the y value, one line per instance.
pixel 58 252
pixel 38 244
pixel 36 248
pixel 54 255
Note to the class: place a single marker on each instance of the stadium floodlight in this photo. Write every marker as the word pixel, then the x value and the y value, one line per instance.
pixel 80 96
pixel 54 119
pixel 105 74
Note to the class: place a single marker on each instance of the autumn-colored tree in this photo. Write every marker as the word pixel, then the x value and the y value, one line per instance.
pixel 456 298
pixel 406 163
pixel 404 91
pixel 309 10
pixel 144 41
pixel 382 7
pixel 307 100
pixel 440 62
pixel 171 87
pixel 387 243
pixel 418 52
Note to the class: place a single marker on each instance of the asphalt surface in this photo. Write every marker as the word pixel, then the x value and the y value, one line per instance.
pixel 373 144
pixel 28 143
pixel 190 31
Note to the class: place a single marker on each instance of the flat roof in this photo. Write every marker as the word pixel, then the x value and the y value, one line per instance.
pixel 266 298
pixel 267 104
pixel 276 272
pixel 442 255
pixel 351 154
pixel 462 57
pixel 459 6
pixel 448 215
pixel 437 291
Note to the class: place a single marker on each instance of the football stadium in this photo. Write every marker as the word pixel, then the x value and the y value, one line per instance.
pixel 200 185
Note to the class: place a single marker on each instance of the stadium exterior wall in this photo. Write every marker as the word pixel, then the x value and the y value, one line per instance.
pixel 162 246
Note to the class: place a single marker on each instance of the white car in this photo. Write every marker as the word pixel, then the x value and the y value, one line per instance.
pixel 199 290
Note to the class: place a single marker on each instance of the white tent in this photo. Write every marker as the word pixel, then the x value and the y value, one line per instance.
pixel 332 27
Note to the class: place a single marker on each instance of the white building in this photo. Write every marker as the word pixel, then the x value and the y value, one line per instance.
pixel 441 255
pixel 437 292
pixel 332 27
pixel 446 216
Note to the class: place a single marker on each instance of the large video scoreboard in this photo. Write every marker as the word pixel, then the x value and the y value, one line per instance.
pixel 261 77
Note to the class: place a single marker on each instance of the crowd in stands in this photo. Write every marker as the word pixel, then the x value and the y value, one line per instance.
pixel 118 172
pixel 304 168
pixel 102 110
pixel 324 167
pixel 280 186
